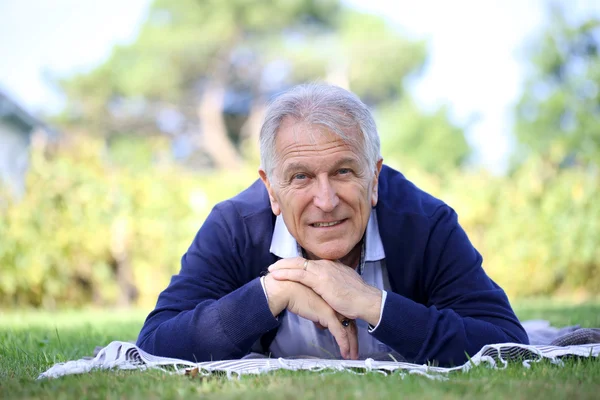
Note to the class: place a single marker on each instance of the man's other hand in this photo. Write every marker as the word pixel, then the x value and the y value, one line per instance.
pixel 339 285
pixel 303 301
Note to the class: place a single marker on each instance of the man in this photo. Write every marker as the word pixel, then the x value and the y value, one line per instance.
pixel 333 254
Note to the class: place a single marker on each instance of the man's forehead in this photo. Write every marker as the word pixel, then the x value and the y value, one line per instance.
pixel 293 133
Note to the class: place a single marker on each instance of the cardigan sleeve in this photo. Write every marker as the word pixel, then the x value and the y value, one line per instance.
pixel 208 311
pixel 465 309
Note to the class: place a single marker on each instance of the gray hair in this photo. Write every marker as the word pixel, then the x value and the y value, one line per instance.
pixel 320 104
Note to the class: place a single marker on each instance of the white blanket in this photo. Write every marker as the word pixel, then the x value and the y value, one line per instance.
pixel 125 355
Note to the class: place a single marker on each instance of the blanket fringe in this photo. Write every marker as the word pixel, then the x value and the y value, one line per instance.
pixel 127 356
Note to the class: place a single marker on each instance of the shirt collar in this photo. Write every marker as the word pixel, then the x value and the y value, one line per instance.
pixel 283 244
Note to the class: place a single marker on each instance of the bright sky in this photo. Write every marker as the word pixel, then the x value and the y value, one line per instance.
pixel 476 62
pixel 41 37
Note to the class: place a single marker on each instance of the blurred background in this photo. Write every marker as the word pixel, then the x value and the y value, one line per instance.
pixel 123 123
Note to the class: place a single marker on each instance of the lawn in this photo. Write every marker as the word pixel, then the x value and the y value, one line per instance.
pixel 32 341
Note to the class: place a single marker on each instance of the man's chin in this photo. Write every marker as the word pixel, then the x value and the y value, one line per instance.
pixel 332 253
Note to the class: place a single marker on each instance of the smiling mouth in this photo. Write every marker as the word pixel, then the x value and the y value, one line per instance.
pixel 326 224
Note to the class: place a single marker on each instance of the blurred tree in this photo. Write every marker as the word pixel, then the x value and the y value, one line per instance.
pixel 411 138
pixel 203 71
pixel 186 56
pixel 558 115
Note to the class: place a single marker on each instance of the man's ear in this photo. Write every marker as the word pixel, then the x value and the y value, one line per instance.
pixel 375 188
pixel 274 204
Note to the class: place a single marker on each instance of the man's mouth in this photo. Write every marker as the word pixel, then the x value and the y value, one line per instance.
pixel 326 224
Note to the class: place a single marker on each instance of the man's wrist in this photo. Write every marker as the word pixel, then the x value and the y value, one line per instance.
pixel 372 328
pixel 276 297
pixel 372 307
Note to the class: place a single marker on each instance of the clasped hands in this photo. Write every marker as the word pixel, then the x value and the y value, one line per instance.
pixel 325 292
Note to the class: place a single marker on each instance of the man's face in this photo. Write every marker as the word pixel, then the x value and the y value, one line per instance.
pixel 323 188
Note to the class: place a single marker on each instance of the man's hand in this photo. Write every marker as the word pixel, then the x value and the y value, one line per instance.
pixel 304 302
pixel 339 285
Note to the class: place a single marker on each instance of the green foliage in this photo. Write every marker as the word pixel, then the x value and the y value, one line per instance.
pixel 90 231
pixel 538 230
pixel 379 59
pixel 183 46
pixel 428 141
pixel 558 114
pixel 109 227
pixel 187 48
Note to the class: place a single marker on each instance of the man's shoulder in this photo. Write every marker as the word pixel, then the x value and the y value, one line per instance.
pixel 398 195
pixel 247 220
pixel 252 201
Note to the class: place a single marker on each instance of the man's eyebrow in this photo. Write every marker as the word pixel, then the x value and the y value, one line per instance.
pixel 295 166
pixel 298 166
pixel 346 161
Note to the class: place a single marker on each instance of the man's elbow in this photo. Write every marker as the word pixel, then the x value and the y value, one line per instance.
pixel 145 341
pixel 516 335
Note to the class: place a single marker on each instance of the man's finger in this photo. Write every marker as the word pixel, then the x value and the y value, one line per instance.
pixel 341 335
pixel 352 330
pixel 288 263
pixel 353 340
pixel 297 275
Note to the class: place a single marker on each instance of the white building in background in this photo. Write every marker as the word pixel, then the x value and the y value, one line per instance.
pixel 17 127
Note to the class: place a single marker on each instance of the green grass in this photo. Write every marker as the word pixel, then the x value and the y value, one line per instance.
pixel 30 342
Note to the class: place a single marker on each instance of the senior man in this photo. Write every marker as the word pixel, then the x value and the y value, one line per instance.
pixel 330 254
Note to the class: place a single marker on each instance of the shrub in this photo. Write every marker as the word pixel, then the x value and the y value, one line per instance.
pixel 92 231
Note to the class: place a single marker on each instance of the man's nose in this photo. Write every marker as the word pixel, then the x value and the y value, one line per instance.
pixel 325 197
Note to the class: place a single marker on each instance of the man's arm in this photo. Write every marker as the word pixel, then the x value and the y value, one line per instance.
pixel 465 310
pixel 209 311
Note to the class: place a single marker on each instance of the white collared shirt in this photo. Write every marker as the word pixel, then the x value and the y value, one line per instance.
pixel 298 336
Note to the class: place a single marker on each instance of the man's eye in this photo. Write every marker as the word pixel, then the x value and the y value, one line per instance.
pixel 344 171
pixel 299 177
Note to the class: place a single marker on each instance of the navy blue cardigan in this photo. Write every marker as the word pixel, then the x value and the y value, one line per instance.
pixel 442 305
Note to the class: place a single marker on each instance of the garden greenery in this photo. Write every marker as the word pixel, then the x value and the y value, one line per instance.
pixel 92 231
